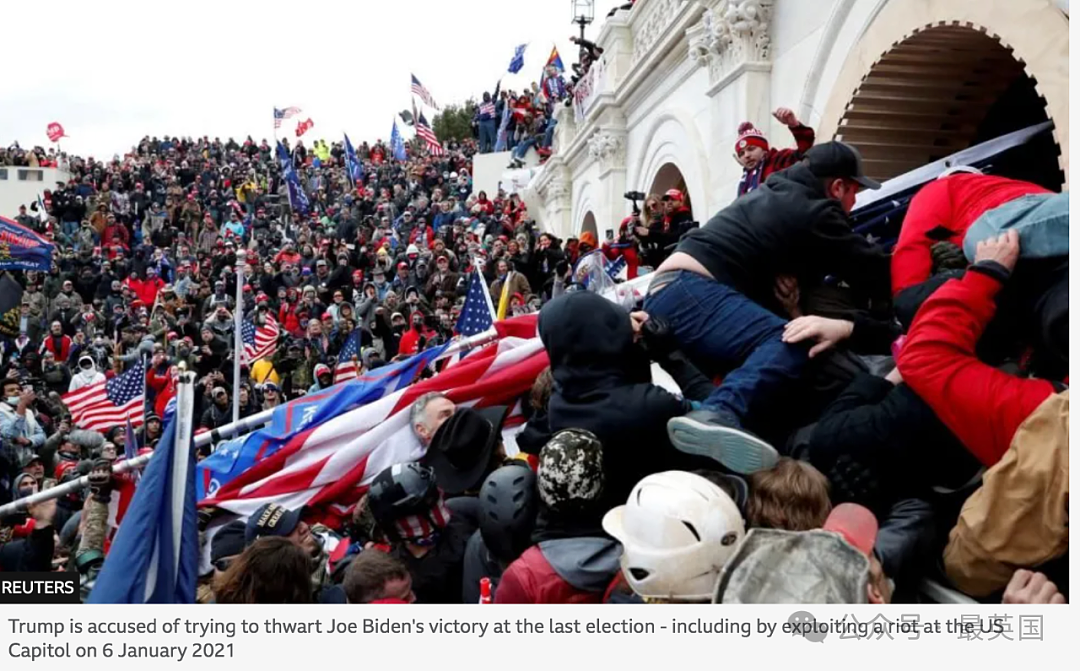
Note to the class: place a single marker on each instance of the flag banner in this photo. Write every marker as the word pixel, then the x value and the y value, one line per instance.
pixel 504 124
pixel 281 115
pixel 425 133
pixel 554 61
pixel 353 165
pixel 154 557
pixel 476 315
pixel 55 131
pixel 518 61
pixel 329 465
pixel 348 362
pixel 23 249
pixel 397 144
pixel 11 293
pixel 104 405
pixel 304 126
pixel 292 421
pixel 259 341
pixel 423 93
pixel 298 199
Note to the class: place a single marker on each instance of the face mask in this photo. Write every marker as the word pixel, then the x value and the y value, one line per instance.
pixel 13 401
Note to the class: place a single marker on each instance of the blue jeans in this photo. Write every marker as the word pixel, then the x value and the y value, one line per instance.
pixel 549 134
pixel 524 146
pixel 488 131
pixel 1042 220
pixel 718 327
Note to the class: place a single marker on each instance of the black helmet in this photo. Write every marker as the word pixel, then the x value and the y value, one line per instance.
pixel 508 505
pixel 402 489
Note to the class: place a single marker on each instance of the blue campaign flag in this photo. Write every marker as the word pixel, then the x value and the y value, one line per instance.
pixel 355 167
pixel 289 421
pixel 518 61
pixel 477 315
pixel 397 145
pixel 155 555
pixel 23 249
pixel 500 137
pixel 298 199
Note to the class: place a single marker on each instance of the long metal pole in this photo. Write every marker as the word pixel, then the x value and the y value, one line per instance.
pixel 238 331
pixel 238 428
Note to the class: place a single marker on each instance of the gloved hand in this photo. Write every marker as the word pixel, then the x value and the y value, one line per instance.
pixel 101 481
pixel 659 337
pixel 561 268
pixel 946 256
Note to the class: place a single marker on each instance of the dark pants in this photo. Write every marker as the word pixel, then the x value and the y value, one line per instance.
pixel 719 328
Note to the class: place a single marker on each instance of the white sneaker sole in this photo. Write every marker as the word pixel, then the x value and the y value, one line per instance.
pixel 736 450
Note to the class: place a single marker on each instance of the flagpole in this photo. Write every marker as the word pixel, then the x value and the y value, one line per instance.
pixel 236 429
pixel 238 333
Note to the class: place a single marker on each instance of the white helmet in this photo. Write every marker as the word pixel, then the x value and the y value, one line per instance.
pixel 677 531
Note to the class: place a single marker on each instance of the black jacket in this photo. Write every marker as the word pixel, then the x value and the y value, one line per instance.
pixel 786 227
pixel 874 443
pixel 602 385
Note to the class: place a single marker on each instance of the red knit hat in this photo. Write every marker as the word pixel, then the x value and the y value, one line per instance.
pixel 750 137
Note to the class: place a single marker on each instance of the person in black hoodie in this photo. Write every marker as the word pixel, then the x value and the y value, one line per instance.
pixel 717 290
pixel 602 385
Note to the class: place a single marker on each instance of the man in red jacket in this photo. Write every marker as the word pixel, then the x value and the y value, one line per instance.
pixel 1017 427
pixel 759 160
pixel 981 405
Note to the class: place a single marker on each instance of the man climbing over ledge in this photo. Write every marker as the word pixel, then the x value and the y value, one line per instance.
pixel 759 160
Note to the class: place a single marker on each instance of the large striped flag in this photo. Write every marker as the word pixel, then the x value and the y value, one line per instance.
pixel 329 464
pixel 424 94
pixel 104 405
pixel 259 341
pixel 424 132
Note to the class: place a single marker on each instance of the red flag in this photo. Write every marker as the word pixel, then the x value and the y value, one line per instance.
pixel 304 126
pixel 55 131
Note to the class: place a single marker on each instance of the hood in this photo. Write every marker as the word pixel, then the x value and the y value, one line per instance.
pixel 588 564
pixel 589 341
pixel 22 477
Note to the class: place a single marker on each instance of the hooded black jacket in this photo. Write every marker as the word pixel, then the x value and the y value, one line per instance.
pixel 788 226
pixel 602 385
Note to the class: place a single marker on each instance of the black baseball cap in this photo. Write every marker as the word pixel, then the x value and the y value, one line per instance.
pixel 839 159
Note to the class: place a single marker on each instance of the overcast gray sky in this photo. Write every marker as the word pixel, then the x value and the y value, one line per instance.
pixel 112 71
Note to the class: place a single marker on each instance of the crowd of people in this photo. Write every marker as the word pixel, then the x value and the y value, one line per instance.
pixel 850 421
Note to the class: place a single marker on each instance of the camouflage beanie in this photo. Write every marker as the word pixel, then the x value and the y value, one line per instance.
pixel 570 475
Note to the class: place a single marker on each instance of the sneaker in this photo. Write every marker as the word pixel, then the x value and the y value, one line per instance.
pixel 712 434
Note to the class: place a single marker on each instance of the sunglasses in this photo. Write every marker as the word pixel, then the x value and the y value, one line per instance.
pixel 222 564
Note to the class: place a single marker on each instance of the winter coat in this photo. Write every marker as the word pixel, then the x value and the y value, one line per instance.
pixel 788 226
pixel 562 570
pixel 602 385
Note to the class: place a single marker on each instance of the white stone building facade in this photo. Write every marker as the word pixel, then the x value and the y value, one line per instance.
pixel 907 81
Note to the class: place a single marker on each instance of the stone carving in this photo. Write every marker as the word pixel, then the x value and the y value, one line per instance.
pixel 607 148
pixel 654 26
pixel 555 190
pixel 735 31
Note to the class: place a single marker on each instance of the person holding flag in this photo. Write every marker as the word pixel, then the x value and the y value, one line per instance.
pixel 508 282
pixel 397 144
pixel 354 168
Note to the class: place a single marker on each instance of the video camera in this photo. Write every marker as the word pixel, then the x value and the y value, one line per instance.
pixel 634 197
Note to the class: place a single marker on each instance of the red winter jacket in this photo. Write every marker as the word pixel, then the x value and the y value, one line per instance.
pixel 410 340
pixel 63 352
pixel 980 404
pixel 778 159
pixel 583 570
pixel 145 290
pixel 953 203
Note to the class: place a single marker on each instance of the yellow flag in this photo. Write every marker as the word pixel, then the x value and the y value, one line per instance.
pixel 504 299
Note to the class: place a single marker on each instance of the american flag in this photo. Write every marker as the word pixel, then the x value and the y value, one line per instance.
pixel 477 315
pixel 347 369
pixel 424 94
pixel 330 464
pixel 104 405
pixel 259 341
pixel 424 132
pixel 281 115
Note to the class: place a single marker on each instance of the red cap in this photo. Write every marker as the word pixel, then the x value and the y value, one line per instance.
pixel 402 265
pixel 673 194
pixel 63 467
pixel 247 287
pixel 750 137
pixel 856 524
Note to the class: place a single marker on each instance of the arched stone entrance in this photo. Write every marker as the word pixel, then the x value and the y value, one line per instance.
pixel 939 91
pixel 904 38
pixel 589 224
pixel 670 177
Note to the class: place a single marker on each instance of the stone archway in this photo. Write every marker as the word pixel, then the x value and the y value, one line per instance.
pixel 589 224
pixel 670 177
pixel 937 92
pixel 940 50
